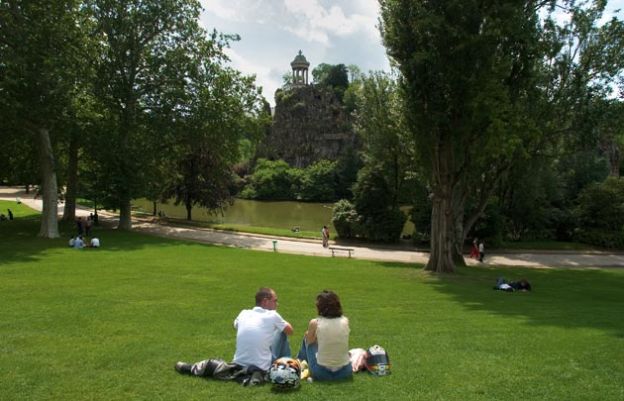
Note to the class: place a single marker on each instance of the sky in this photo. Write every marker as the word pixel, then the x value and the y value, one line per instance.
pixel 326 31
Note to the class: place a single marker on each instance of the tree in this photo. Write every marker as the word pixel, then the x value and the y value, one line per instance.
pixel 221 107
pixel 335 77
pixel 461 63
pixel 40 45
pixel 138 40
pixel 488 85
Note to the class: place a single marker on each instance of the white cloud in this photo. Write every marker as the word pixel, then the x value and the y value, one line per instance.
pixel 308 19
pixel 269 78
pixel 273 31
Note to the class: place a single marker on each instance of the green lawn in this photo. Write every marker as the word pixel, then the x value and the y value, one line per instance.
pixel 109 324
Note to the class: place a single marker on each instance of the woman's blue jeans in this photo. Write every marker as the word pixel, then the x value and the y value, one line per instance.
pixel 320 372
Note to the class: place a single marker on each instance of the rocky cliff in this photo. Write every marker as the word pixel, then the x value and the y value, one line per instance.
pixel 309 124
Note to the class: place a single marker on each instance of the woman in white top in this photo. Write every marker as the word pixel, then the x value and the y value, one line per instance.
pixel 325 345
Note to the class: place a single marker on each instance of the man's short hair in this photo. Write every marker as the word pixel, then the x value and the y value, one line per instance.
pixel 262 294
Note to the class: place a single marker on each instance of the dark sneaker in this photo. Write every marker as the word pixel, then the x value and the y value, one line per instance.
pixel 183 368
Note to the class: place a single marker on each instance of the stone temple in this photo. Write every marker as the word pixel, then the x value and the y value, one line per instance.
pixel 309 123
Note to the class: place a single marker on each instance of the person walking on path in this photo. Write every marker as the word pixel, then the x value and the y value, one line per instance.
pixel 261 337
pixel 325 235
pixel 474 250
pixel 481 251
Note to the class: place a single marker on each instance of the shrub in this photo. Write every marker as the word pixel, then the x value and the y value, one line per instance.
pixel 601 206
pixel 317 182
pixel 601 238
pixel 345 219
pixel 375 202
pixel 385 226
pixel 271 180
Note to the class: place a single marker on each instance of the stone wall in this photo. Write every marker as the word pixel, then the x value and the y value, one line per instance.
pixel 309 124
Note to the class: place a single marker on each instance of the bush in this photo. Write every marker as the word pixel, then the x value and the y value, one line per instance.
pixel 345 219
pixel 317 182
pixel 271 180
pixel 375 203
pixel 601 206
pixel 385 226
pixel 601 238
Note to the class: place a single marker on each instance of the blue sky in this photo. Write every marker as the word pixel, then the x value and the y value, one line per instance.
pixel 327 31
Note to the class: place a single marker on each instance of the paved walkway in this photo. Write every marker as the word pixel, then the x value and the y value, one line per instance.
pixel 535 259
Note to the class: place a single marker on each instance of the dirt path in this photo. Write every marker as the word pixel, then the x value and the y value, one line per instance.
pixel 314 248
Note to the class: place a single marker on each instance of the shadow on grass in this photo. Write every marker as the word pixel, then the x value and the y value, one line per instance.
pixel 19 241
pixel 568 298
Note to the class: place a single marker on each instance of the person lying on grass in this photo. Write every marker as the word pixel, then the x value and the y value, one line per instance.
pixel 261 337
pixel 325 345
pixel 503 285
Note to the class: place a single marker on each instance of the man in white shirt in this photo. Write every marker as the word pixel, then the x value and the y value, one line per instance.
pixel 261 337
pixel 95 242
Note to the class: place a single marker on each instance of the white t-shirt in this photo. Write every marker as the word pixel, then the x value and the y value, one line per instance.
pixel 95 242
pixel 256 330
pixel 332 336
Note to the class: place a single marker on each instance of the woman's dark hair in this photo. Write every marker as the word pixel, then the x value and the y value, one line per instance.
pixel 328 304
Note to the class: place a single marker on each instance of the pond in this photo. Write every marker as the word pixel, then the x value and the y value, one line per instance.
pixel 275 214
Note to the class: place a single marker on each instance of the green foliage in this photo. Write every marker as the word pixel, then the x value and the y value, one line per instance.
pixel 601 205
pixel 602 238
pixel 490 226
pixel 335 77
pixel 276 180
pixel 379 214
pixel 600 214
pixel 345 219
pixel 271 180
pixel 317 182
pixel 420 213
pixel 347 168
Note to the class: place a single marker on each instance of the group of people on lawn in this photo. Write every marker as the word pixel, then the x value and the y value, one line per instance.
pixel 84 226
pixel 262 337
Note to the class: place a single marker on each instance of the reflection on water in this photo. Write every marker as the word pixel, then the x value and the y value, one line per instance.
pixel 286 214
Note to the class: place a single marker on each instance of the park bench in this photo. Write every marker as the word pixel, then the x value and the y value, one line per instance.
pixel 334 249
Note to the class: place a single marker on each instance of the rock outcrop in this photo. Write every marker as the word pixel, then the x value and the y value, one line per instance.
pixel 309 124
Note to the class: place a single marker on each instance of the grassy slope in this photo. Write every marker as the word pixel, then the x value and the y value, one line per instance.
pixel 108 324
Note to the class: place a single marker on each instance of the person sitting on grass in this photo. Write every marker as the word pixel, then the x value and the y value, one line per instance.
pixel 79 242
pixel 95 242
pixel 325 345
pixel 72 241
pixel 261 337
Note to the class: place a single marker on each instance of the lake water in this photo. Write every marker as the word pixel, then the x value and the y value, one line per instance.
pixel 283 214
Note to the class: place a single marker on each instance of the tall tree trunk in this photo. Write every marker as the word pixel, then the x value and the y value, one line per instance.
pixel 69 213
pixel 49 189
pixel 459 236
pixel 154 208
pixel 441 257
pixel 125 209
pixel 189 208
pixel 442 219
pixel 125 214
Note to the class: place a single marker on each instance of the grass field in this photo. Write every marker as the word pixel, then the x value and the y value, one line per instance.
pixel 109 324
